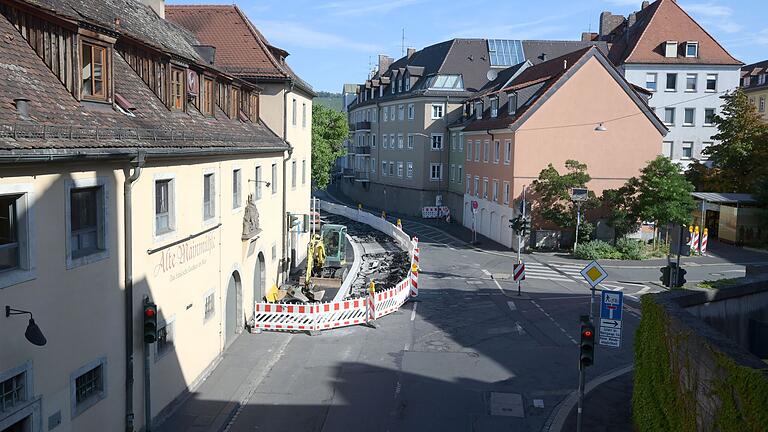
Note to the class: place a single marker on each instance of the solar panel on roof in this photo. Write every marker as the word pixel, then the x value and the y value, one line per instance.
pixel 505 52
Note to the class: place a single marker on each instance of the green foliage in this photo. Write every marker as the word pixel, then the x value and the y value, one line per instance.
pixel 334 101
pixel 741 154
pixel 621 204
pixel 663 194
pixel 554 192
pixel 631 249
pixel 762 197
pixel 718 283
pixel 329 130
pixel 744 394
pixel 596 250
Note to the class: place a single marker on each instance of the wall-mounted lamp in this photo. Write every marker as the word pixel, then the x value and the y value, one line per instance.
pixel 268 184
pixel 601 128
pixel 33 333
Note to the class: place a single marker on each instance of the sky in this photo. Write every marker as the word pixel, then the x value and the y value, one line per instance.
pixel 336 42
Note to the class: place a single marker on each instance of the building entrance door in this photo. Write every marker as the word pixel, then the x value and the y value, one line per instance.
pixel 23 425
pixel 233 325
pixel 259 280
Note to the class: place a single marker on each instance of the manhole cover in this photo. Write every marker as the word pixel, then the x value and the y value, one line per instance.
pixel 507 404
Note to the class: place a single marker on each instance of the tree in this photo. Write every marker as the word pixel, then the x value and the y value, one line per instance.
pixel 329 130
pixel 742 151
pixel 663 194
pixel 554 193
pixel 706 178
pixel 622 208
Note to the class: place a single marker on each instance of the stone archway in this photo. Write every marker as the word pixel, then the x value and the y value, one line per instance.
pixel 259 279
pixel 233 316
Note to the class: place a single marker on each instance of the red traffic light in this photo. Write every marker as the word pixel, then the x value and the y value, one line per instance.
pixel 588 333
pixel 149 312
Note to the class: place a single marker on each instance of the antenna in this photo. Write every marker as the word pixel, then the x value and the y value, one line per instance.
pixel 402 49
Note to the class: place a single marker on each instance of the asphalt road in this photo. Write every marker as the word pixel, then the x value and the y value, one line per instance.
pixel 469 355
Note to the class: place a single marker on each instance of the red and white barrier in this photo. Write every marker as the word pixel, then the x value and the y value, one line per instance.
pixel 695 241
pixel 704 240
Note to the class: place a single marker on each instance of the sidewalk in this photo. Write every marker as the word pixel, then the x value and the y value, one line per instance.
pixel 607 408
pixel 211 406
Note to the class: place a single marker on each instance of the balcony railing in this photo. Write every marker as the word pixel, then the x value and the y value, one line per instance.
pixel 362 176
pixel 362 126
pixel 362 150
pixel 348 172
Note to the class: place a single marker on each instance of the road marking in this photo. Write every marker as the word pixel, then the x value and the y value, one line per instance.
pixel 555 323
pixel 519 329
pixel 584 297
pixel 407 347
pixel 486 272
pixel 413 312
pixel 511 305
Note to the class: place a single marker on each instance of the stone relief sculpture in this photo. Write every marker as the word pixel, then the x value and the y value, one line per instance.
pixel 250 219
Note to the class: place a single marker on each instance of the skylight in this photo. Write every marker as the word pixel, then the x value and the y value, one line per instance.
pixel 505 52
pixel 446 82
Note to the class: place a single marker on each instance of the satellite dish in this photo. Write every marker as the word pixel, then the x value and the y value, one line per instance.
pixel 492 75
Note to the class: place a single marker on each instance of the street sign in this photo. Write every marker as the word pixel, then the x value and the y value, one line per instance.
pixel 579 194
pixel 518 272
pixel 611 305
pixel 594 274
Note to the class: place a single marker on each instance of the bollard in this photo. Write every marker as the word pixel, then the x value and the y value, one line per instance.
pixel 695 241
pixel 371 318
pixel 414 280
pixel 384 215
pixel 690 240
pixel 399 225
pixel 704 238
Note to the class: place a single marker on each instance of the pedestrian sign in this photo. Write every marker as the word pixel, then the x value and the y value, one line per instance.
pixel 611 305
pixel 594 274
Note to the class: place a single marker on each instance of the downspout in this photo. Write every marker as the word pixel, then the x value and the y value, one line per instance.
pixel 284 259
pixel 137 163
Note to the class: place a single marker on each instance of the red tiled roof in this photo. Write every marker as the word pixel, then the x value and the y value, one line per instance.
pixel 240 48
pixel 665 20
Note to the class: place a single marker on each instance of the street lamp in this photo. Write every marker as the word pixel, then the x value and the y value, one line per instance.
pixel 601 128
pixel 578 196
pixel 33 333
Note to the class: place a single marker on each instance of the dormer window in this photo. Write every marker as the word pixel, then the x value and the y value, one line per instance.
pixel 479 110
pixel 692 49
pixel 494 107
pixel 177 88
pixel 94 72
pixel 512 103
pixel 392 87
pixel 207 97
pixel 408 83
pixel 670 49
pixel 381 91
pixel 399 83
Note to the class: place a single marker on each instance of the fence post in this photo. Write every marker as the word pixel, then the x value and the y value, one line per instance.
pixel 314 310
pixel 371 318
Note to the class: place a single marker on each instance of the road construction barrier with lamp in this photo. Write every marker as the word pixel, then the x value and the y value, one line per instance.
pixel 314 317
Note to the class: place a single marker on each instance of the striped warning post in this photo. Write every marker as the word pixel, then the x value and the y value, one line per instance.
pixel 371 319
pixel 695 241
pixel 690 240
pixel 414 280
pixel 399 225
pixel 704 238
pixel 519 272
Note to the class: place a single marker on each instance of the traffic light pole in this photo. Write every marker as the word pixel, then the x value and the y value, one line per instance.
pixel 147 401
pixel 582 377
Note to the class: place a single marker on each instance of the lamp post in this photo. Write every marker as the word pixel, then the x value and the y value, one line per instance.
pixel 578 196
pixel 33 333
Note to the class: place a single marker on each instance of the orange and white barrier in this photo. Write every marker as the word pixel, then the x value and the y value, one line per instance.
pixel 371 304
pixel 704 239
pixel 695 241
pixel 414 280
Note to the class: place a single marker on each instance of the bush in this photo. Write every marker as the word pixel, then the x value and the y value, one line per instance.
pixel 596 250
pixel 630 249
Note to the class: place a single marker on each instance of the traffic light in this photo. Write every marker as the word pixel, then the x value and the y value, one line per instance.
pixel 587 354
pixel 515 224
pixel 150 323
pixel 680 278
pixel 665 276
pixel 525 226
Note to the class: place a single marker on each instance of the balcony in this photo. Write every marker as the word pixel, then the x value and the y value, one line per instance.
pixel 362 151
pixel 363 126
pixel 348 172
pixel 362 176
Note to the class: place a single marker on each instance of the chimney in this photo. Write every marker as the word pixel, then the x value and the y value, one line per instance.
pixel 411 52
pixel 385 62
pixel 609 22
pixel 22 107
pixel 645 4
pixel 632 19
pixel 588 36
pixel 157 5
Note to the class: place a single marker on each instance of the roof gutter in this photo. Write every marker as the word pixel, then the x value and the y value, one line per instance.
pixel 79 157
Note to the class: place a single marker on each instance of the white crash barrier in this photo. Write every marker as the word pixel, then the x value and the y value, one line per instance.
pixel 314 317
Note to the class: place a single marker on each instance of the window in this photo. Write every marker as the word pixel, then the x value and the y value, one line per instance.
pixel 460 170
pixel 209 196
pixel 512 103
pixel 87 386
pixel 293 112
pixel 690 82
pixel 399 169
pixel 303 115
pixel 397 87
pixel 761 105
pixel 165 340
pixel 437 141
pixel 691 49
pixel 445 82
pixel 486 150
pixel 453 172
pixel 164 206
pixel 670 49
pixel 506 192
pixel 208 97
pixel 477 151
pixel 237 201
pixel 384 141
pixel 438 111
pixel 669 116
pixel 671 82
pixel 687 150
pixel 496 151
pixel 94 72
pixel 651 81
pixel 666 148
pixel 386 114
pixel 13 391
pixel 689 116
pixel 400 141
pixel 400 112
pixel 709 116
pixel 469 187
pixel 407 82
pixel 469 150
pixel 461 142
pixel 274 179
pixel 479 110
pixel 235 108
pixel 711 82
pixel 494 107
pixel 293 174
pixel 495 191
pixel 392 113
pixel 86 221
pixel 410 170
pixel 435 171
pixel 410 141
pixel 373 165
pixel 411 112
pixel 485 188
pixel 391 168
pixel 383 167
pixel 209 306
pixel 761 79
pixel 177 89
pixel 257 179
pixel 477 186
pixel 507 152
pixel 505 52
pixel 704 146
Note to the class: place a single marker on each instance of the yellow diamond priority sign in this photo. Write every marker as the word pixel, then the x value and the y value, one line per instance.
pixel 594 274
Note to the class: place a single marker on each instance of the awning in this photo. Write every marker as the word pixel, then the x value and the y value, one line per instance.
pixel 725 198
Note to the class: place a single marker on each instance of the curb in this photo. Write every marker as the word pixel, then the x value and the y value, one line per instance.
pixel 556 420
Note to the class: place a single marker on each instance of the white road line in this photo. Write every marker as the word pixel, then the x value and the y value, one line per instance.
pixel 486 272
pixel 511 305
pixel 550 278
pixel 413 312
pixel 642 291
pixel 498 286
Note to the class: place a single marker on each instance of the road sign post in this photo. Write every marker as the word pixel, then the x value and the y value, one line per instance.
pixel 475 205
pixel 611 306
pixel 518 273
